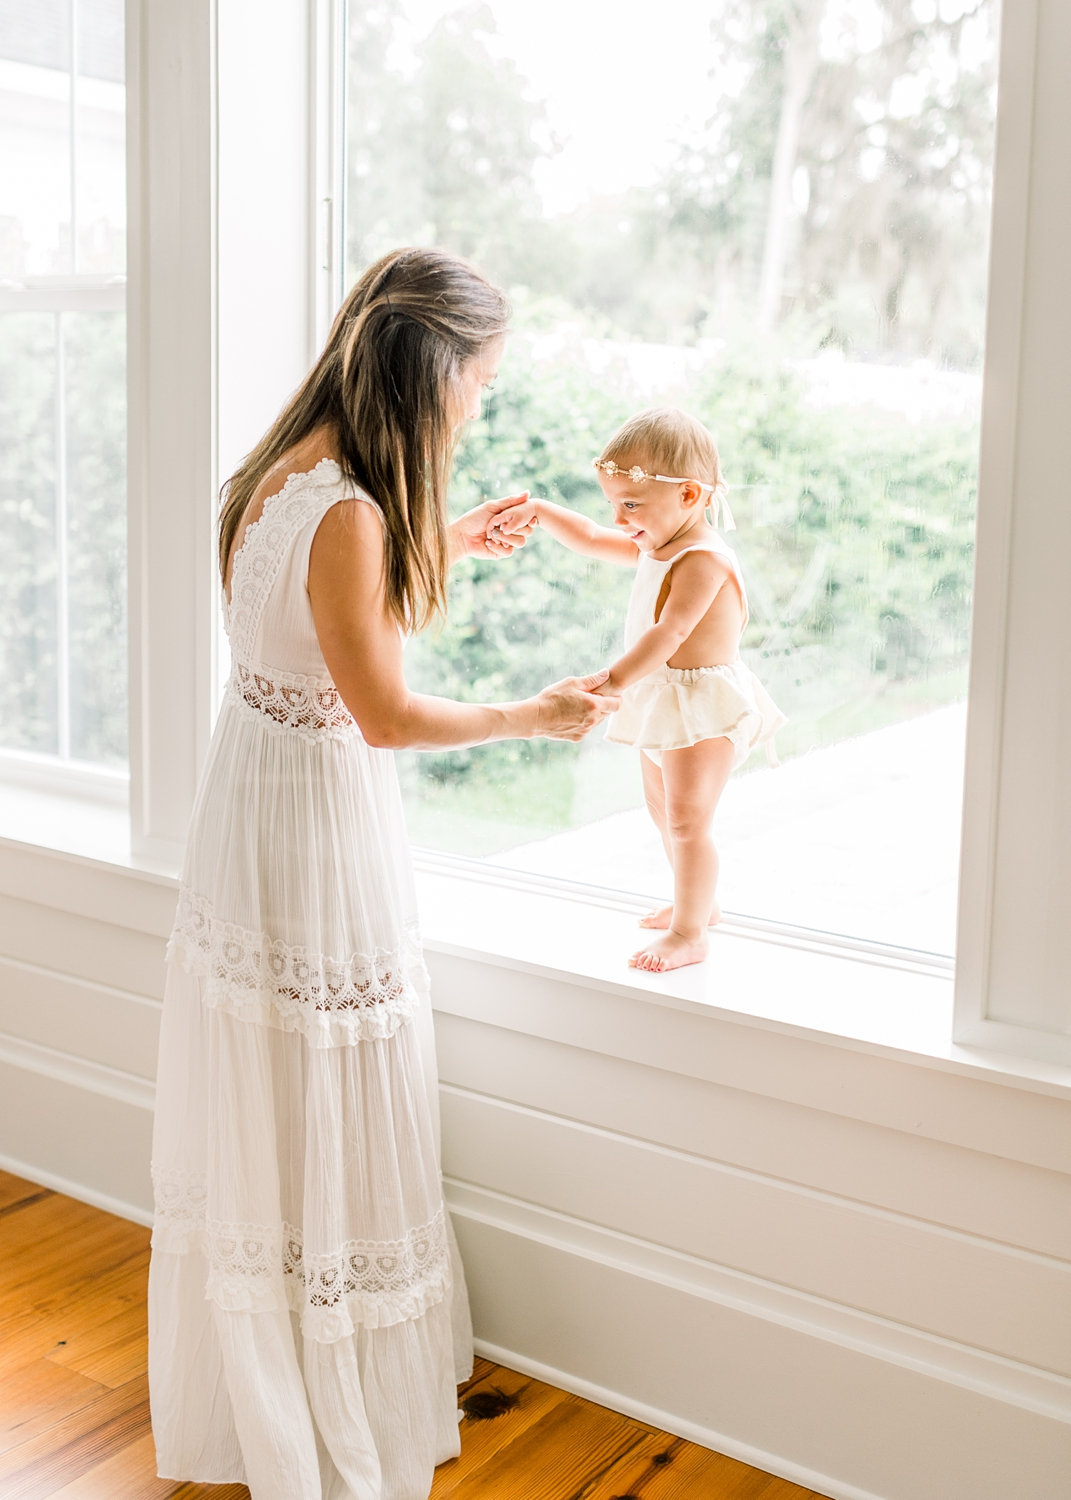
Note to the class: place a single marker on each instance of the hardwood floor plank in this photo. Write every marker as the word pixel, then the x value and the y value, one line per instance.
pixel 14 1189
pixel 37 1249
pixel 34 1398
pixel 112 1352
pixel 39 1328
pixel 129 1474
pixel 209 1492
pixel 482 1440
pixel 673 1469
pixel 58 1433
pixel 118 1428
pixel 481 1368
pixel 558 1457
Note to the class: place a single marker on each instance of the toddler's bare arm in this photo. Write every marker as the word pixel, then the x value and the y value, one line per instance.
pixel 694 584
pixel 575 531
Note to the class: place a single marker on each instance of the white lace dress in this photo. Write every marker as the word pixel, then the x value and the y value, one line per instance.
pixel 307 1317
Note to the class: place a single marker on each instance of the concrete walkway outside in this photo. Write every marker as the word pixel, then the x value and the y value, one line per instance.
pixel 861 839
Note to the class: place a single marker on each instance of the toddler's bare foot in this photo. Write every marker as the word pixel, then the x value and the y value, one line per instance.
pixel 662 916
pixel 670 952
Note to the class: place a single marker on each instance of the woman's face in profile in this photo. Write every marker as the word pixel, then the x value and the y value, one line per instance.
pixel 476 375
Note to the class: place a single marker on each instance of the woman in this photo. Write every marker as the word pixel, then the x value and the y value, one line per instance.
pixel 307 1316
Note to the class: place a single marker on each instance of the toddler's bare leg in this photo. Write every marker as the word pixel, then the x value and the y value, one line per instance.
pixel 654 791
pixel 693 780
pixel 654 794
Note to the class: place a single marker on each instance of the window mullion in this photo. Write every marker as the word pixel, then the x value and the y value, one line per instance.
pixel 172 473
pixel 72 117
pixel 1012 991
pixel 60 521
pixel 223 162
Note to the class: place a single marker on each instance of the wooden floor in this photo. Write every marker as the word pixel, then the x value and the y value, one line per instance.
pixel 74 1410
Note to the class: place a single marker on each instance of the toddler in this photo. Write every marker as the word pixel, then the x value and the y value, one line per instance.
pixel 688 702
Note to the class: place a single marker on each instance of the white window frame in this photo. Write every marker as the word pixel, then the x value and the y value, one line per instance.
pixel 1013 977
pixel 232 105
pixel 223 90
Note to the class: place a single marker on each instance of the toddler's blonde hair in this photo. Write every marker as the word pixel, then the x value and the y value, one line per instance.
pixel 667 440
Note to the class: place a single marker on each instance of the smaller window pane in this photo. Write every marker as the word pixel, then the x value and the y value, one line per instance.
pixel 95 364
pixel 100 146
pixel 28 677
pixel 35 141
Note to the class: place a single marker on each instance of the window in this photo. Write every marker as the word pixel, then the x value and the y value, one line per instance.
pixel 63 701
pixel 778 218
pixel 209 368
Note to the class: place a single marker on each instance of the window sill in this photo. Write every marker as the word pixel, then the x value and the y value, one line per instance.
pixel 865 1001
pixel 91 830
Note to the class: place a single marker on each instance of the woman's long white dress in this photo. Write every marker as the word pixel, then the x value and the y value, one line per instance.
pixel 307 1319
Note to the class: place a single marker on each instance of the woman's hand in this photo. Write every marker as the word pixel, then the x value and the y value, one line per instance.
pixel 514 520
pixel 474 533
pixel 570 709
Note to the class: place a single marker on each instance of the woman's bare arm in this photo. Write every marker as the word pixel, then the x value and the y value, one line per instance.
pixel 362 647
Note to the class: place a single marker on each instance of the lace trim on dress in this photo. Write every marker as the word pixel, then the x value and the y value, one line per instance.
pixel 303 705
pixel 253 1267
pixel 332 1001
pixel 264 549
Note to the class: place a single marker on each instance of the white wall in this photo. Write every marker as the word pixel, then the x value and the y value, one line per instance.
pixel 844 1267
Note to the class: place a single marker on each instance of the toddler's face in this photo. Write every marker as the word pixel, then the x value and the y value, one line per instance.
pixel 649 511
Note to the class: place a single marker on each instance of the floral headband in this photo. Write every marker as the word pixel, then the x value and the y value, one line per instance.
pixel 723 516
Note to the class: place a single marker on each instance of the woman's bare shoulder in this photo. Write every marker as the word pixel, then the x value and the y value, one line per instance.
pixel 302 458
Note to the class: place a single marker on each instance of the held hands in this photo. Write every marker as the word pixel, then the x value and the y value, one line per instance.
pixel 478 532
pixel 570 709
pixel 515 521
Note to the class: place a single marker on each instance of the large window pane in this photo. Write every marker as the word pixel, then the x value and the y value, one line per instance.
pixel 775 216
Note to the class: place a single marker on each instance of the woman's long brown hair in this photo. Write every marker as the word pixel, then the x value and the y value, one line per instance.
pixel 385 384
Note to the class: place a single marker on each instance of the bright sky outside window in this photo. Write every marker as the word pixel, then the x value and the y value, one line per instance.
pixel 777 219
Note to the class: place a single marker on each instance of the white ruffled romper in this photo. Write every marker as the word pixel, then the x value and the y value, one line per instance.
pixel 673 707
pixel 307 1316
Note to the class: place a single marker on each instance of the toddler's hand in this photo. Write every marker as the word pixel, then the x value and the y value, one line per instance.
pixel 515 521
pixel 473 534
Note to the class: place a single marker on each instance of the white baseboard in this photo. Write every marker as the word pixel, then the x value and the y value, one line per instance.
pixel 77 1190
pixel 757 1458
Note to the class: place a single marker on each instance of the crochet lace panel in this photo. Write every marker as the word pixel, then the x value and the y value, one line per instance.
pixel 259 978
pixel 369 1282
pixel 306 706
pixel 265 546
